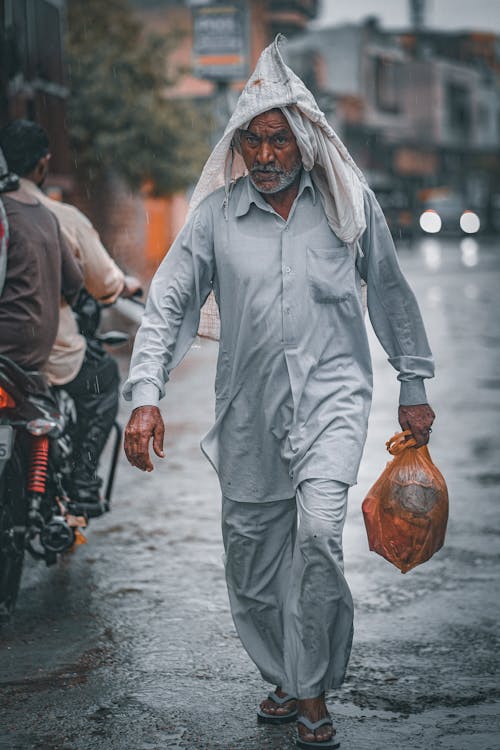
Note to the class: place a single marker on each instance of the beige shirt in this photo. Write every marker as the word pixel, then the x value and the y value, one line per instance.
pixel 102 278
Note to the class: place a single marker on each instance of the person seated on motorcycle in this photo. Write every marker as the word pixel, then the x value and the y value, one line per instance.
pixel 86 371
pixel 39 267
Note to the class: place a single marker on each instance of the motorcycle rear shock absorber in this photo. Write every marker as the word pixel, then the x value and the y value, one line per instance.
pixel 54 534
pixel 39 462
pixel 37 480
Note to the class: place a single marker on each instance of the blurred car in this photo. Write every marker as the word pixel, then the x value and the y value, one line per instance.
pixel 446 211
pixel 395 202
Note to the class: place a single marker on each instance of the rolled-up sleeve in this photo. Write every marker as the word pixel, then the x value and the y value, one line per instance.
pixel 393 309
pixel 103 279
pixel 170 323
pixel 71 271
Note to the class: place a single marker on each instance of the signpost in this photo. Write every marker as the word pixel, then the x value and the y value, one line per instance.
pixel 220 40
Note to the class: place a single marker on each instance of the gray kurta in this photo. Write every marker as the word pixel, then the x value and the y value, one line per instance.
pixel 294 380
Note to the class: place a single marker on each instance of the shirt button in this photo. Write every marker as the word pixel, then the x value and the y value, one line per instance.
pixel 288 269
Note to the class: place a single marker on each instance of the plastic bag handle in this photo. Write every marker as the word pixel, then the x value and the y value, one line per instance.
pixel 399 443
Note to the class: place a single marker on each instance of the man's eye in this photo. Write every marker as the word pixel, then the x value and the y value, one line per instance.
pixel 280 140
pixel 252 140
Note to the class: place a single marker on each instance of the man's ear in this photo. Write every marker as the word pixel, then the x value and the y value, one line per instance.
pixel 41 169
pixel 236 142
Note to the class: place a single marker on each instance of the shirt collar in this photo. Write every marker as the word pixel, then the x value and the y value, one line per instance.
pixel 30 187
pixel 250 195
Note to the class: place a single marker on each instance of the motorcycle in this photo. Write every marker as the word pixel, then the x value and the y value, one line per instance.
pixel 38 427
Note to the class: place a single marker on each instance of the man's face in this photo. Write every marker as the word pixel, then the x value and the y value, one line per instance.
pixel 270 152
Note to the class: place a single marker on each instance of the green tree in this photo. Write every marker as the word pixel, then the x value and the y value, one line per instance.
pixel 120 119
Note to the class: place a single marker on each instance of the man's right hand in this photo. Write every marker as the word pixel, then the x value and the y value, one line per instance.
pixel 145 423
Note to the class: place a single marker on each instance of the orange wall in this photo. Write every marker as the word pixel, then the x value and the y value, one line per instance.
pixel 164 219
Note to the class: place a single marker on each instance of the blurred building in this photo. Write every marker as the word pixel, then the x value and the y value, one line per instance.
pixel 33 85
pixel 261 21
pixel 418 109
pixel 264 19
pixel 33 81
pixel 217 44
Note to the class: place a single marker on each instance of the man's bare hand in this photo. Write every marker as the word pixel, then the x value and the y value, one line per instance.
pixel 131 286
pixel 145 423
pixel 418 419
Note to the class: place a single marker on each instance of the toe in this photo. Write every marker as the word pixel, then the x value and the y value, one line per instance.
pixel 267 707
pixel 286 708
pixel 270 707
pixel 323 734
pixel 306 735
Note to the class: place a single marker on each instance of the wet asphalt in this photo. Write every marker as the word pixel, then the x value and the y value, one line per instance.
pixel 128 643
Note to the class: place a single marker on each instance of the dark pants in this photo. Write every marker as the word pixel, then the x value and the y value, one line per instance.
pixel 95 393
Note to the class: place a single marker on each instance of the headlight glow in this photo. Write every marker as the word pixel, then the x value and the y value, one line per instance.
pixel 430 221
pixel 469 222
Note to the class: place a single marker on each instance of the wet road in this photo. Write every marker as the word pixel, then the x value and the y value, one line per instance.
pixel 129 645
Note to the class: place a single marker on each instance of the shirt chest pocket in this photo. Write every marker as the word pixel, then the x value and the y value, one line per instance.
pixel 330 273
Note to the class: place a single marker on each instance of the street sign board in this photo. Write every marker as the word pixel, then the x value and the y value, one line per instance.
pixel 220 40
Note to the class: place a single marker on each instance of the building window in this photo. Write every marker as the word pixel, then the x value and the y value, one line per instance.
pixel 47 42
pixel 35 30
pixel 459 111
pixel 387 85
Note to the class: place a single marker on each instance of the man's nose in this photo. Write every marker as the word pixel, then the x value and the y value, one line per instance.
pixel 265 154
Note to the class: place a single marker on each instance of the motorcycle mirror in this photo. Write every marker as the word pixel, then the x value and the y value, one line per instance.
pixel 113 338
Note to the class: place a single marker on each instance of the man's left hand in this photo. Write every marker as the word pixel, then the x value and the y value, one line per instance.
pixel 418 419
pixel 131 286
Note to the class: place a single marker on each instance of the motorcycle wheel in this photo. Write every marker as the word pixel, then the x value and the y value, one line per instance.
pixel 13 514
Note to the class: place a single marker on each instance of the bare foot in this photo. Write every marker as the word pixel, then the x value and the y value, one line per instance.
pixel 270 707
pixel 314 709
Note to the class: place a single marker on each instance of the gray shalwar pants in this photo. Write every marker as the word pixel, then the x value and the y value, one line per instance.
pixel 290 602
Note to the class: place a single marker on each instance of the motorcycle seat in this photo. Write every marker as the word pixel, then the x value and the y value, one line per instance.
pixel 29 381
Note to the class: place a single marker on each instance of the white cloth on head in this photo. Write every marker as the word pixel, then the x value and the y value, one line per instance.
pixel 340 185
pixel 273 85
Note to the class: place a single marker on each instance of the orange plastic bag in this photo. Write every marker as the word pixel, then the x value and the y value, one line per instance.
pixel 406 510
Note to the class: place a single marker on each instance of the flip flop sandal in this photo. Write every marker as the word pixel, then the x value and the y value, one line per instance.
pixel 265 718
pixel 330 744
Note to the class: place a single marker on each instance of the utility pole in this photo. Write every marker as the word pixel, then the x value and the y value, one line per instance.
pixel 417 11
pixel 220 50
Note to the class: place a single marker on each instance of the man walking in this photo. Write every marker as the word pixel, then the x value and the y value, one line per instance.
pixel 284 230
